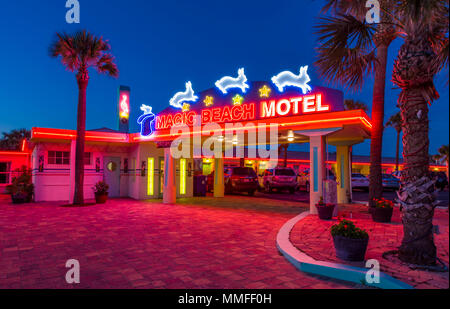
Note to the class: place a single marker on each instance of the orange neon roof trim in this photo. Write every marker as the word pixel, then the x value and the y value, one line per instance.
pixel 303 122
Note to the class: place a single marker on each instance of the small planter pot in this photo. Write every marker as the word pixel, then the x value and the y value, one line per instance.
pixel 349 249
pixel 101 198
pixel 325 212
pixel 383 215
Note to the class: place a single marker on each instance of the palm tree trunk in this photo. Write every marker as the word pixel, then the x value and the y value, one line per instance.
pixel 397 151
pixel 416 193
pixel 82 79
pixel 376 186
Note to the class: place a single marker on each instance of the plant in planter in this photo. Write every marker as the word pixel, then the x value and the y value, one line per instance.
pixel 350 241
pixel 101 192
pixel 324 210
pixel 21 188
pixel 382 211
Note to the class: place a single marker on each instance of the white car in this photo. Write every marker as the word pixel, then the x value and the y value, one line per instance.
pixel 359 181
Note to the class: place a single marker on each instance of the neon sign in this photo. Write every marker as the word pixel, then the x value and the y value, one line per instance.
pixel 237 100
pixel 264 92
pixel 146 120
pixel 224 114
pixel 293 106
pixel 209 100
pixel 229 82
pixel 124 106
pixel 290 106
pixel 182 97
pixel 287 78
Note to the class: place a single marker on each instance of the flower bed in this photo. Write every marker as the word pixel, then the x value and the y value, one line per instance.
pixel 312 236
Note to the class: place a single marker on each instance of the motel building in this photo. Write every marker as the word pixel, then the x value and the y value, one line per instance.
pixel 141 165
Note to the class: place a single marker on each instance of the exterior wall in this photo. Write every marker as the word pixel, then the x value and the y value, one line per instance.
pixel 54 182
pixel 14 162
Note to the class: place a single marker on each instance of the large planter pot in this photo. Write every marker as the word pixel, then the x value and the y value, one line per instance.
pixel 325 212
pixel 19 198
pixel 101 198
pixel 383 215
pixel 349 249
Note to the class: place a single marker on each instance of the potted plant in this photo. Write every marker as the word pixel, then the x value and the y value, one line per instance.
pixel 21 188
pixel 382 211
pixel 101 192
pixel 324 210
pixel 350 242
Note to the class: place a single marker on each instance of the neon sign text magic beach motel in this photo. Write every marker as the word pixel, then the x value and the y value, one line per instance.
pixel 298 105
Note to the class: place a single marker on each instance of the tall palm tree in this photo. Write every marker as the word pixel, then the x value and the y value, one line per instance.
pixel 425 30
pixel 442 156
pixel 78 53
pixel 349 50
pixel 350 104
pixel 395 121
pixel 13 139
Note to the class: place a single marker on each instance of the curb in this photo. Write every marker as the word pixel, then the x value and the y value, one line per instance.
pixel 307 264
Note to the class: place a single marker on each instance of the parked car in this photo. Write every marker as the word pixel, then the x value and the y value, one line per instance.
pixel 240 179
pixel 359 181
pixel 441 180
pixel 281 179
pixel 304 182
pixel 390 182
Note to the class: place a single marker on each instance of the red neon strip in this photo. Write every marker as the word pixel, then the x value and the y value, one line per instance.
pixel 12 153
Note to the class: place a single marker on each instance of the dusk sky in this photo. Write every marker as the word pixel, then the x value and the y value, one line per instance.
pixel 159 45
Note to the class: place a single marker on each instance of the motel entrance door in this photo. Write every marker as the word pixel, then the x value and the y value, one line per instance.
pixel 111 168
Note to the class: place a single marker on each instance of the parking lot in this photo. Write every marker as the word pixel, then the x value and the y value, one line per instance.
pixel 358 196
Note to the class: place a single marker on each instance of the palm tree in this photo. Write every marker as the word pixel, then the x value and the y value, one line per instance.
pixel 350 104
pixel 13 139
pixel 349 50
pixel 78 53
pixel 396 122
pixel 442 156
pixel 425 32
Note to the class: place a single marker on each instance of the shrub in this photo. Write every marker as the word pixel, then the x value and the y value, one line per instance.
pixel 347 228
pixel 101 188
pixel 383 203
pixel 22 183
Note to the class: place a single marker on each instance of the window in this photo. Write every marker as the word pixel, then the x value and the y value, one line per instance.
pixel 63 158
pixel 59 157
pixel 4 172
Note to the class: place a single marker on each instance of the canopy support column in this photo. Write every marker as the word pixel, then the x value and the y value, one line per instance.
pixel 170 189
pixel 219 183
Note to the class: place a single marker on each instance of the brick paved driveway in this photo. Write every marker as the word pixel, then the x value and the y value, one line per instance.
pixel 137 244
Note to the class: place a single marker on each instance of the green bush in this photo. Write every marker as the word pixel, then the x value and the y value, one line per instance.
pixel 347 228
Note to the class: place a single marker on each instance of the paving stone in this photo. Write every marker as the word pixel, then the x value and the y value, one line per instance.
pixel 199 243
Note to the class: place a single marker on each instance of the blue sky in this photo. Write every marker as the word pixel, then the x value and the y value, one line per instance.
pixel 159 45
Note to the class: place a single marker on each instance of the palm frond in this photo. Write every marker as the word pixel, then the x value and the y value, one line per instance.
pixel 352 7
pixel 395 121
pixel 346 53
pixel 84 50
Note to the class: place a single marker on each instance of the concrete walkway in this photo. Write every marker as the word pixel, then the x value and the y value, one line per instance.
pixel 229 243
